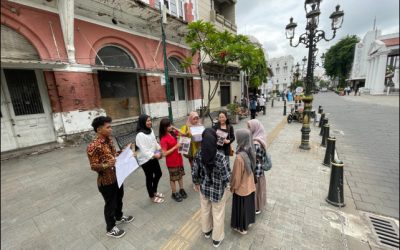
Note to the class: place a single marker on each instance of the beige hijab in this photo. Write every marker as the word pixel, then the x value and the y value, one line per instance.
pixel 190 121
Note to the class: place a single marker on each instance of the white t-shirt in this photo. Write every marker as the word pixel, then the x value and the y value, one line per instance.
pixel 261 101
pixel 147 145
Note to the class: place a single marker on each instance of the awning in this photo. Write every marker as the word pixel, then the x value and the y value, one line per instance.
pixel 142 71
pixel 31 64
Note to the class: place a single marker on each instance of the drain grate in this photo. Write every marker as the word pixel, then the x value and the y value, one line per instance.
pixel 386 231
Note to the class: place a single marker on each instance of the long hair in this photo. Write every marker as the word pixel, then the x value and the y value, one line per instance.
pixel 164 124
pixel 226 115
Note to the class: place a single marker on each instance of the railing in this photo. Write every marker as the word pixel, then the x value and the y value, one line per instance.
pixel 225 22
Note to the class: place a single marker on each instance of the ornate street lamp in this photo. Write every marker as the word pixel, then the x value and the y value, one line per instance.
pixel 310 38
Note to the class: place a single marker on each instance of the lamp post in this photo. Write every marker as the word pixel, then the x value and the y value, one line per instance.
pixel 310 38
pixel 302 70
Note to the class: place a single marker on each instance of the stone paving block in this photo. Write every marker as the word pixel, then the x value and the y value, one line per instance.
pixel 12 237
pixel 48 220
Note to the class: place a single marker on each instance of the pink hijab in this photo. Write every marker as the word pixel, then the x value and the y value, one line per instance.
pixel 190 121
pixel 257 130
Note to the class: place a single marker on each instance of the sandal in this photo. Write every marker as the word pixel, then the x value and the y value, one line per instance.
pixel 159 195
pixel 158 200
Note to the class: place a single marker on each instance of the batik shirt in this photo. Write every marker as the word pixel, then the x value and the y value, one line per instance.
pixel 211 186
pixel 261 157
pixel 99 152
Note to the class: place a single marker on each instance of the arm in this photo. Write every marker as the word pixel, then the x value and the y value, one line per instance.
pixel 231 134
pixel 236 173
pixel 164 147
pixel 94 159
pixel 185 131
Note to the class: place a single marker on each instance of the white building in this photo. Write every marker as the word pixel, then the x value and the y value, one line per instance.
pixel 373 56
pixel 282 70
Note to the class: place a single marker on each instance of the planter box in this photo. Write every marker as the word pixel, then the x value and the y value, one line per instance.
pixel 234 119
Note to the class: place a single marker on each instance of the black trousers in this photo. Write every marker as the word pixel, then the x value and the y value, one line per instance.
pixel 263 109
pixel 253 114
pixel 153 174
pixel 113 203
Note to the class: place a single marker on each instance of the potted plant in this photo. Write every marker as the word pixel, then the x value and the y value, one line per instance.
pixel 233 112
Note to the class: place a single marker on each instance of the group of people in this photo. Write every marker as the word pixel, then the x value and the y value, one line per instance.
pixel 211 173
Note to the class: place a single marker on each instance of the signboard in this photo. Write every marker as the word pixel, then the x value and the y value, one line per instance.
pixel 299 90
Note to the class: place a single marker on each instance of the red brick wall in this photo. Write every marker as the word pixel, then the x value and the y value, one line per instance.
pixel 188 12
pixel 77 91
pixel 52 91
pixel 197 89
pixel 152 90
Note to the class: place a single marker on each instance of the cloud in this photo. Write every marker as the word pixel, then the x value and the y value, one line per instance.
pixel 266 20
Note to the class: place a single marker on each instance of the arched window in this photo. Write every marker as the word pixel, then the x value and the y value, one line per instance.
pixel 174 65
pixel 114 56
pixel 119 90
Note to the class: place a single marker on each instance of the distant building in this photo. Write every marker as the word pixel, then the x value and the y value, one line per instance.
pixel 282 72
pixel 376 62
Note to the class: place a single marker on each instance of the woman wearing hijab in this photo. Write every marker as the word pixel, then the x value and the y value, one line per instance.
pixel 193 120
pixel 260 146
pixel 148 155
pixel 211 177
pixel 242 183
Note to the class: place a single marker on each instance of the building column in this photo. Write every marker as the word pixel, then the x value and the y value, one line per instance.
pixel 66 13
pixel 380 74
pixel 189 11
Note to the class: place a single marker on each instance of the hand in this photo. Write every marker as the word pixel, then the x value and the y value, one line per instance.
pixel 127 146
pixel 226 141
pixel 178 145
pixel 196 187
pixel 157 156
pixel 111 162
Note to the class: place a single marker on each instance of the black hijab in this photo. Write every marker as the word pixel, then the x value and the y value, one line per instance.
pixel 209 148
pixel 141 125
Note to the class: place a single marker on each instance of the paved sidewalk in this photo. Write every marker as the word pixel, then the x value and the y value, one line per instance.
pixel 51 201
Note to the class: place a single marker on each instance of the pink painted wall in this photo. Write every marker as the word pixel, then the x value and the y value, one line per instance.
pixel 34 25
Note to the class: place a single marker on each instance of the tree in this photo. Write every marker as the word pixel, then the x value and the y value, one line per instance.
pixel 224 48
pixel 339 59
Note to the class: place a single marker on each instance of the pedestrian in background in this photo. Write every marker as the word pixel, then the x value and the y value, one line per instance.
pixel 101 153
pixel 242 183
pixel 148 155
pixel 193 120
pixel 223 125
pixel 260 146
pixel 261 101
pixel 253 108
pixel 169 145
pixel 211 176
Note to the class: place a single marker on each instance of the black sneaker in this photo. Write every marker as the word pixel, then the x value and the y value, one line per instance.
pixel 216 243
pixel 183 193
pixel 177 197
pixel 208 235
pixel 125 219
pixel 116 232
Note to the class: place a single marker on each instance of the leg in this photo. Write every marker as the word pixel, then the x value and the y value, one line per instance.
pixel 149 178
pixel 218 217
pixel 206 215
pixel 157 174
pixel 173 186
pixel 120 195
pixel 110 198
pixel 180 183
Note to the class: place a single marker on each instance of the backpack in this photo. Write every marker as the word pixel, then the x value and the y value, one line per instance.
pixel 253 105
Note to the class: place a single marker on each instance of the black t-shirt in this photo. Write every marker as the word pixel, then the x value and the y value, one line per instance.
pixel 231 137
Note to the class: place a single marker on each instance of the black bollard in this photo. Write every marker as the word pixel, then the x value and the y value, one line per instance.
pixel 325 135
pixel 330 150
pixel 325 121
pixel 321 119
pixel 335 193
pixel 284 108
pixel 320 109
pixel 272 102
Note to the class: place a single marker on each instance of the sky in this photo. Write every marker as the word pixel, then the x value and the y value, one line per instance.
pixel 267 19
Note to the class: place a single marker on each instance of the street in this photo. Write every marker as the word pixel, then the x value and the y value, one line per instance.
pixel 367 132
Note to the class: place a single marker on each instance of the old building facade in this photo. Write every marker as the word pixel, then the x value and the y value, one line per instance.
pixel 282 72
pixel 65 62
pixel 375 55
